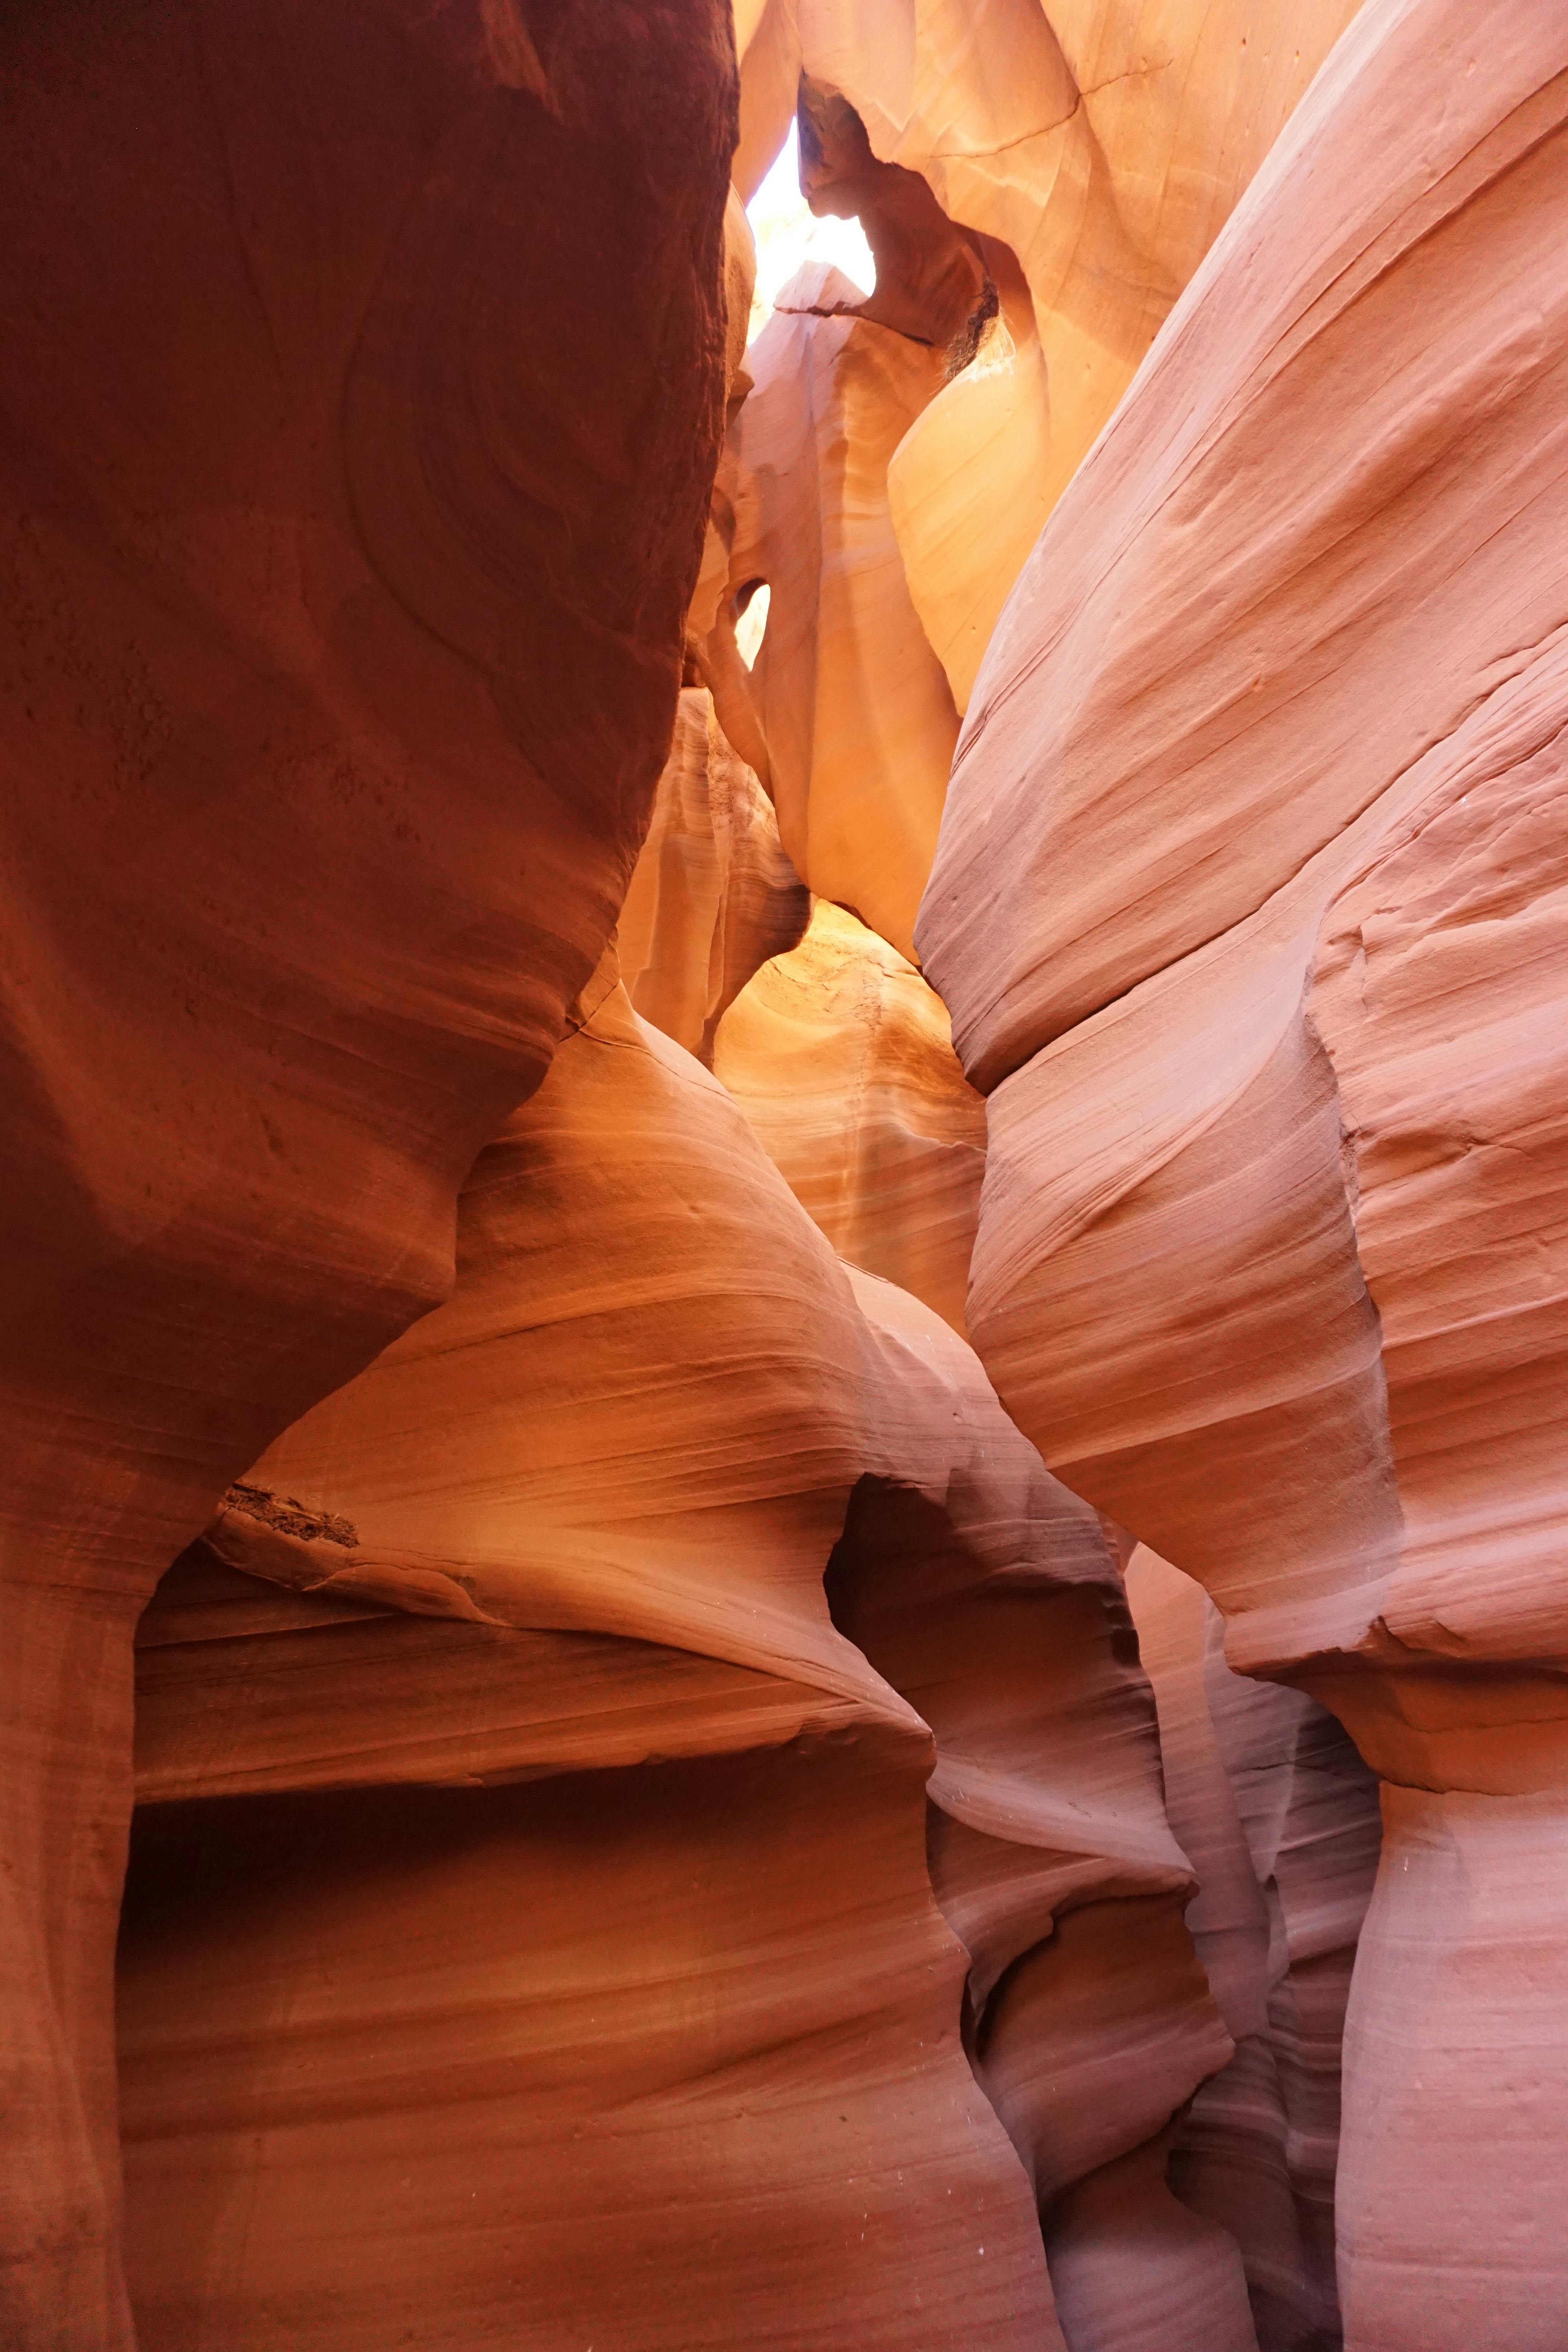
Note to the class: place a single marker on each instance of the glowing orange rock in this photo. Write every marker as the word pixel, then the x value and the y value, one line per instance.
pixel 619 1845
pixel 840 1055
pixel 1099 153
pixel 853 704
pixel 712 895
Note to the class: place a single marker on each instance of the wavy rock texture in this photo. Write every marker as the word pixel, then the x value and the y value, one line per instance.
pixel 852 704
pixel 840 1056
pixel 1098 151
pixel 1248 906
pixel 712 895
pixel 647 1955
pixel 1089 2023
pixel 543 1698
pixel 651 1825
pixel 1279 1816
pixel 365 378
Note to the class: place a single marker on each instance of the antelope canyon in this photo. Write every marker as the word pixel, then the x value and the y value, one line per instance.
pixel 786 1015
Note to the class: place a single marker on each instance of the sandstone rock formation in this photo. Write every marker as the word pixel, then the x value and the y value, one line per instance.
pixel 968 485
pixel 1095 154
pixel 1247 907
pixel 362 382
pixel 712 895
pixel 1089 2022
pixel 1279 1817
pixel 659 1820
pixel 853 705
pixel 643 1833
pixel 840 1055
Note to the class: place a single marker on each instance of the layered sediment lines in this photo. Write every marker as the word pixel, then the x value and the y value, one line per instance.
pixel 677 1803
pixel 1091 156
pixel 1278 1815
pixel 1248 910
pixel 364 383
pixel 507 1677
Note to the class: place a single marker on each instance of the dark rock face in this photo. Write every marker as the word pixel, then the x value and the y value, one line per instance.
pixel 364 373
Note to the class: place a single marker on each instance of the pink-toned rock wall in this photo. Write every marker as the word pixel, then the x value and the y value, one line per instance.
pixel 363 375
pixel 652 1825
pixel 1089 2019
pixel 853 706
pixel 507 1676
pixel 1278 1815
pixel 1093 155
pixel 1247 909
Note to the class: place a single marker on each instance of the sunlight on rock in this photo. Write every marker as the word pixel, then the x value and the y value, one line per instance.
pixel 788 234
pixel 752 624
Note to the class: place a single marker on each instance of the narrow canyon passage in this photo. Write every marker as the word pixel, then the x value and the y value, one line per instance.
pixel 786 952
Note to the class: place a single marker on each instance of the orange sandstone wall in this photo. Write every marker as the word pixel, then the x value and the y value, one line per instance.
pixel 645 2022
pixel 659 1820
pixel 363 378
pixel 840 1055
pixel 1248 908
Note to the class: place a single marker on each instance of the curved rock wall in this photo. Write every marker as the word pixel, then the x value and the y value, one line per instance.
pixel 363 382
pixel 840 1056
pixel 1279 1816
pixel 712 896
pixel 1265 983
pixel 659 1820
pixel 648 1958
pixel 1089 2019
pixel 1095 154
pixel 853 705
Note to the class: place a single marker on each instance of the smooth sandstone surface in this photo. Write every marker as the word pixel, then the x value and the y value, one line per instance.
pixel 659 1820
pixel 1089 2019
pixel 548 1696
pixel 839 1053
pixel 1098 153
pixel 1246 907
pixel 363 378
pixel 650 1957
pixel 1224 618
pixel 967 485
pixel 852 704
pixel 712 896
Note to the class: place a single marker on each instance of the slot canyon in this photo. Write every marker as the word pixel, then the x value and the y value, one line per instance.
pixel 785 1016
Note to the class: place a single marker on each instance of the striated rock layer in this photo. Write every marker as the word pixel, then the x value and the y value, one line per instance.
pixel 648 1958
pixel 852 705
pixel 1248 908
pixel 508 1677
pixel 365 377
pixel 1279 1817
pixel 652 1825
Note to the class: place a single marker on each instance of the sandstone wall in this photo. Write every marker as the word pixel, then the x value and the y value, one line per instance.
pixel 659 1818
pixel 363 384
pixel 1264 983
